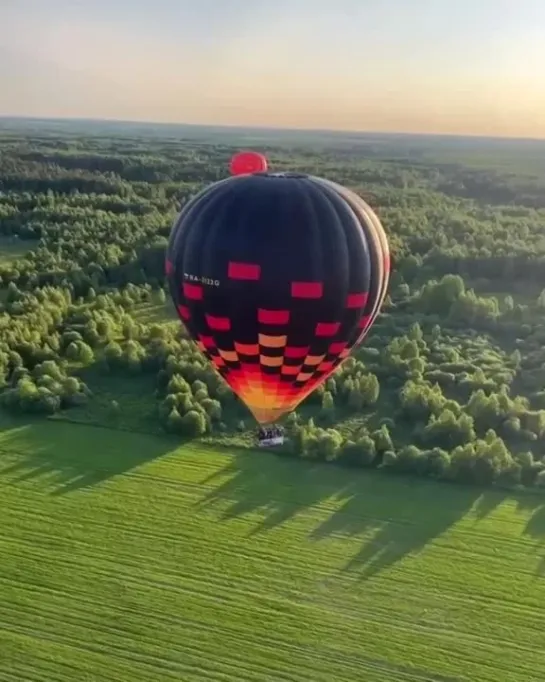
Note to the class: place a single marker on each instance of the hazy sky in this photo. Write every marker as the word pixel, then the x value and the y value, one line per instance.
pixel 454 66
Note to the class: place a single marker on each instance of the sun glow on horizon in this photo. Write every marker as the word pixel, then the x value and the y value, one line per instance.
pixel 385 65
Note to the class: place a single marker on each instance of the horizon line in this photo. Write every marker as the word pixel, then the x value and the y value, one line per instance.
pixel 227 126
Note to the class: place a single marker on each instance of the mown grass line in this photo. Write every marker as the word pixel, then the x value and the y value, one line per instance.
pixel 125 557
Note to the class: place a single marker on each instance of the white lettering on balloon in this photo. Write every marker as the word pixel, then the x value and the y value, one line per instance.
pixel 201 280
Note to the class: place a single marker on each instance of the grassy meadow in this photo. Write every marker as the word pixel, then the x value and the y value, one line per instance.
pixel 126 556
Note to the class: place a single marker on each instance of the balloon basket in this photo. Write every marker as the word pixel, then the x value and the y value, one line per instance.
pixel 270 436
pixel 271 442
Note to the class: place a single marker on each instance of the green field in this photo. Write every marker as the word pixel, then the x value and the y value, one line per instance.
pixel 156 313
pixel 11 249
pixel 126 557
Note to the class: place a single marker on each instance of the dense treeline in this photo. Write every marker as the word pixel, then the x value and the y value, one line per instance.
pixel 449 384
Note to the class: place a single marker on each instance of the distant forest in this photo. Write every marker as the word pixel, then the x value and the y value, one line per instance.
pixel 449 384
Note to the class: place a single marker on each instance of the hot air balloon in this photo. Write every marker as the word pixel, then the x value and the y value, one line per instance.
pixel 277 277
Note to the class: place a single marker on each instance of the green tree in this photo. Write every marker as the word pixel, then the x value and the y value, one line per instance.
pixel 193 423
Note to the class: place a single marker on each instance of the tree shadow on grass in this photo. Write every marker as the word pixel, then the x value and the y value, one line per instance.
pixel 488 502
pixel 397 517
pixel 277 488
pixel 535 526
pixel 393 516
pixel 63 456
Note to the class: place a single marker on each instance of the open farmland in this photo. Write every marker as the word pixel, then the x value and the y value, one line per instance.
pixel 126 557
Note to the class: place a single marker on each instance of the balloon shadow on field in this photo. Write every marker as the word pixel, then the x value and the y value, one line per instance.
pixel 64 456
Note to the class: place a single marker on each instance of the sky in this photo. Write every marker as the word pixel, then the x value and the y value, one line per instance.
pixel 418 66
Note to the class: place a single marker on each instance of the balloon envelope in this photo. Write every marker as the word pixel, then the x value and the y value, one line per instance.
pixel 248 162
pixel 277 277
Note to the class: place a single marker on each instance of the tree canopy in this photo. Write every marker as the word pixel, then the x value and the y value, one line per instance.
pixel 449 383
